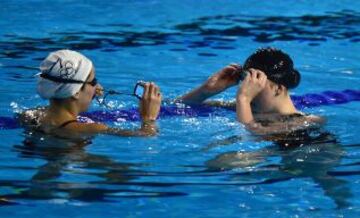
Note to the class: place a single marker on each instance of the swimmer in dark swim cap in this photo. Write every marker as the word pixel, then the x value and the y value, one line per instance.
pixel 263 103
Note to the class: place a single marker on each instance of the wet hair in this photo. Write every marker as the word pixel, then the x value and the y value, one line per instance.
pixel 276 64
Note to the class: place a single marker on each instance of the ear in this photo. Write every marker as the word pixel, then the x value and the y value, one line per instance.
pixel 76 96
pixel 279 90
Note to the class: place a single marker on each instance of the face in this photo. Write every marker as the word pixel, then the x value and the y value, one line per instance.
pixel 87 93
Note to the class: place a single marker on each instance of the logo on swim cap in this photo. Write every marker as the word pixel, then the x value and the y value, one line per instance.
pixel 65 69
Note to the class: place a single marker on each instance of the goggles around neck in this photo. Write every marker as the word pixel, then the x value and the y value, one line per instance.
pixel 137 92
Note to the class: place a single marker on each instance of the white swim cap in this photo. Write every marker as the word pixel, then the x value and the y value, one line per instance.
pixel 62 74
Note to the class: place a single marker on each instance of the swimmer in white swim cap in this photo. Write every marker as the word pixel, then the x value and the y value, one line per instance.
pixel 67 80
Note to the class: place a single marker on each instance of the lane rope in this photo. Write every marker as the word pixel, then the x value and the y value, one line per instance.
pixel 301 102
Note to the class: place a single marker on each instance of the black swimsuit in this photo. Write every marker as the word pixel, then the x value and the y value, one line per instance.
pixel 282 118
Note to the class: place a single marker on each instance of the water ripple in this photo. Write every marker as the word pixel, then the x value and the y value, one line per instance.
pixel 214 32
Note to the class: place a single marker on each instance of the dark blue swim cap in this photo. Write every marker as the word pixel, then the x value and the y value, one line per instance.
pixel 277 66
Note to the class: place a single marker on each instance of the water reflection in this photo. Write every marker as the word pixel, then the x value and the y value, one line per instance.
pixel 72 173
pixel 303 154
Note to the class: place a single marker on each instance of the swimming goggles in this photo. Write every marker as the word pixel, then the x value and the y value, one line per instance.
pixel 64 80
pixel 241 74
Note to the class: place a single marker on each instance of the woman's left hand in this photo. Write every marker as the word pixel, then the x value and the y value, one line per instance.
pixel 252 85
pixel 223 79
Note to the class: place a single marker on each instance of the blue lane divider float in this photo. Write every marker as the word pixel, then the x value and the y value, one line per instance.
pixel 132 114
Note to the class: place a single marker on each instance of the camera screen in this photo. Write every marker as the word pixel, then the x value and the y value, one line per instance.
pixel 139 91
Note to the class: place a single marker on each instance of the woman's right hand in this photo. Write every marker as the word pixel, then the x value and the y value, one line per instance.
pixel 150 102
pixel 253 84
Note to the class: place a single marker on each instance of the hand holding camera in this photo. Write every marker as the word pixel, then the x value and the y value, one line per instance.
pixel 150 101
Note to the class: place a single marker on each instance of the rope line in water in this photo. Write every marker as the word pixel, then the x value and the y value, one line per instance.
pixel 303 101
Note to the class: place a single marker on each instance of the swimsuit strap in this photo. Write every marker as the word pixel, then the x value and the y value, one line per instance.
pixel 297 114
pixel 289 116
pixel 66 123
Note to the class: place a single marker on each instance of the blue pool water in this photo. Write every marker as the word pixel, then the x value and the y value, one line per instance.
pixel 194 167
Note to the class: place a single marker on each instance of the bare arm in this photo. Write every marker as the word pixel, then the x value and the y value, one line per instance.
pixel 147 129
pixel 223 104
pixel 197 95
pixel 86 130
pixel 220 81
